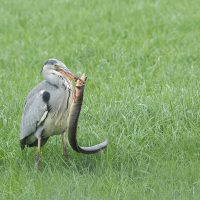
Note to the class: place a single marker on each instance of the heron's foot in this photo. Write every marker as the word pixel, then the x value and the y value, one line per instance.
pixel 65 153
pixel 37 162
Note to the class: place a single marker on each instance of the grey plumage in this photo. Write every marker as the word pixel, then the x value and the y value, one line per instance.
pixel 46 108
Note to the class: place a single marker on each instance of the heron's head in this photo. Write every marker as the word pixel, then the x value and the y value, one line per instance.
pixel 58 68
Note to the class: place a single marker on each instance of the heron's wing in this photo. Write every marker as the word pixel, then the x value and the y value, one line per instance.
pixel 34 113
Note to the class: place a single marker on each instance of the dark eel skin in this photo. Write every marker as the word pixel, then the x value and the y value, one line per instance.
pixel 73 121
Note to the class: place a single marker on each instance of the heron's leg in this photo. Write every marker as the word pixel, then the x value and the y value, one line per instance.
pixel 38 134
pixel 64 144
pixel 37 161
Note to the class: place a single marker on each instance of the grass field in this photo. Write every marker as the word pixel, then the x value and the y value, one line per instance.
pixel 143 67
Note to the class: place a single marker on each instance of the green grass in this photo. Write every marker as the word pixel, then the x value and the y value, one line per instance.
pixel 142 62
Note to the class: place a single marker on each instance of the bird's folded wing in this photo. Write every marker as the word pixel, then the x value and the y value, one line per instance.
pixel 34 113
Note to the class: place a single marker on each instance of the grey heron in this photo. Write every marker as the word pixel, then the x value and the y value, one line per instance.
pixel 50 109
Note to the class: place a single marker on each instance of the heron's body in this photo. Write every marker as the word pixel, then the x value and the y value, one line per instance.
pixel 54 114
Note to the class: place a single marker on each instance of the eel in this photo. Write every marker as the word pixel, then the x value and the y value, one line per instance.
pixel 73 120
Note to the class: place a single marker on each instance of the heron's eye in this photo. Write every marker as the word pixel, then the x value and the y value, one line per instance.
pixel 56 67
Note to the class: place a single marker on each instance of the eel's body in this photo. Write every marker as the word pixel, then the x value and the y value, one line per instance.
pixel 73 121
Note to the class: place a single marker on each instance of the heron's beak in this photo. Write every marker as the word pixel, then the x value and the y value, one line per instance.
pixel 67 74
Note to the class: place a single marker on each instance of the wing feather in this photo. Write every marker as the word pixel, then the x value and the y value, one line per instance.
pixel 34 113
